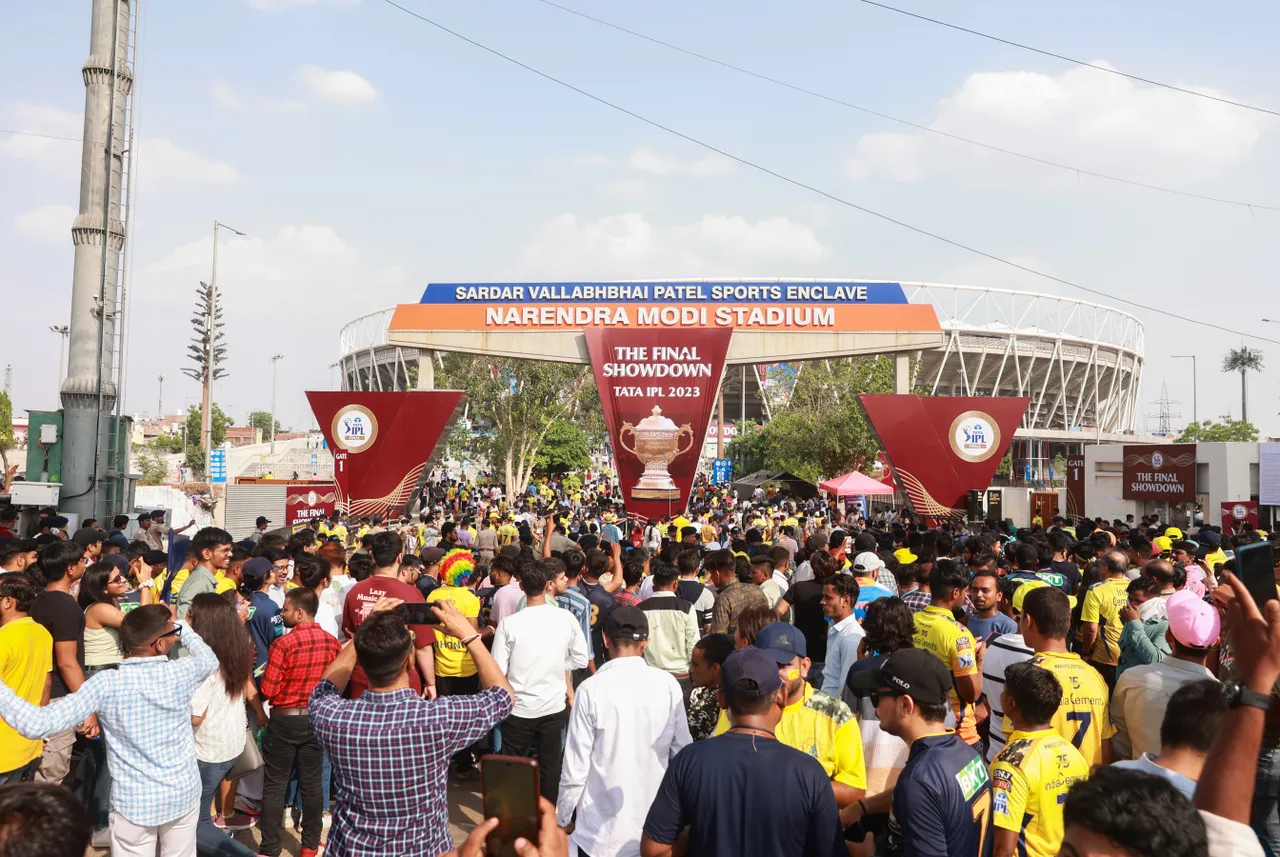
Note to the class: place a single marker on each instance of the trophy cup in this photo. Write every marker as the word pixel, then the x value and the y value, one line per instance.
pixel 657 444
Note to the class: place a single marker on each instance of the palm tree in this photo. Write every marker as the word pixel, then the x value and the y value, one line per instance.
pixel 1243 360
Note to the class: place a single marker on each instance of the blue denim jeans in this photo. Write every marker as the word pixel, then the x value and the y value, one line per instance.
pixel 1263 817
pixel 210 841
pixel 17 774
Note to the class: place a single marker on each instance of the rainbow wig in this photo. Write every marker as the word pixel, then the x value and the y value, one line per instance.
pixel 456 567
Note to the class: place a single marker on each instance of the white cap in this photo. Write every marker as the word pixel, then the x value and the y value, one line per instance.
pixel 867 561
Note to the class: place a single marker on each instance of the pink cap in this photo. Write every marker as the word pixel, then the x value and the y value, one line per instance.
pixel 1192 622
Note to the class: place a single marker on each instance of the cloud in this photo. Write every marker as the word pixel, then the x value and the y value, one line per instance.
pixel 225 95
pixel 343 87
pixel 162 165
pixel 55 156
pixel 48 224
pixel 1099 122
pixel 628 245
pixel 651 163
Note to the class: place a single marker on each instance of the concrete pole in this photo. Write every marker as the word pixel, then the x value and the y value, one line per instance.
pixel 720 422
pixel 160 398
pixel 89 390
pixel 272 427
pixel 426 370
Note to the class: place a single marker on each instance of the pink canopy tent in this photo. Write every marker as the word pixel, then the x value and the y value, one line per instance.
pixel 855 484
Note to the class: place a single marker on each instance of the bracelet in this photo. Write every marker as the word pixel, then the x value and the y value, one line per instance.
pixel 469 640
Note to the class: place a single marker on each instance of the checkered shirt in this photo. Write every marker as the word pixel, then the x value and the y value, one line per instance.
pixel 295 663
pixel 144 708
pixel 917 601
pixel 390 754
pixel 623 598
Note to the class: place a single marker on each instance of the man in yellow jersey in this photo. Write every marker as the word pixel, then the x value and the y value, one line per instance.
pixel 456 672
pixel 1031 775
pixel 813 722
pixel 26 659
pixel 680 523
pixel 1083 717
pixel 1100 623
pixel 937 632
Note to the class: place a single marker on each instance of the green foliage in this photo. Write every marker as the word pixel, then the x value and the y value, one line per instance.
pixel 1059 465
pixel 572 482
pixel 1242 359
pixel 262 421
pixel 521 400
pixel 823 431
pixel 1005 467
pixel 194 461
pixel 218 427
pixel 166 443
pixel 7 439
pixel 564 448
pixel 1227 431
pixel 154 471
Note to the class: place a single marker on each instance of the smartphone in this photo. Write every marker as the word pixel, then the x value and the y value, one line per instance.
pixel 510 786
pixel 1256 566
pixel 417 613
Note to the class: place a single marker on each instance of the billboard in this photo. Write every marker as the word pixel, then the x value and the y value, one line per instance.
pixel 382 442
pixel 1162 472
pixel 657 395
pixel 1075 486
pixel 306 504
pixel 943 446
pixel 744 305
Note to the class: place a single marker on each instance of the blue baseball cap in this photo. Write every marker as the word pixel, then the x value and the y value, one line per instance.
pixel 749 673
pixel 782 642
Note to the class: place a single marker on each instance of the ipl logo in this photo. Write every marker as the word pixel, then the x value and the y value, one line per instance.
pixel 354 428
pixel 1157 460
pixel 974 436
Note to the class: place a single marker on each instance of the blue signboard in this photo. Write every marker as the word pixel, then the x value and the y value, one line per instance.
pixel 315 459
pixel 673 291
pixel 218 465
pixel 721 471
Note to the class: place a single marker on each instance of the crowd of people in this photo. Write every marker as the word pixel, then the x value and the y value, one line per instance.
pixel 752 676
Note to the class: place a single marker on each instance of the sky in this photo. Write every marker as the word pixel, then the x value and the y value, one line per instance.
pixel 366 153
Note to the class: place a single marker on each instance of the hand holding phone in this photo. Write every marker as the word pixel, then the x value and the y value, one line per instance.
pixel 416 613
pixel 510 786
pixel 1257 570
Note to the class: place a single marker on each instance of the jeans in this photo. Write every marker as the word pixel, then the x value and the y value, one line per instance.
pixel 1264 817
pixel 293 796
pixel 210 841
pixel 289 739
pixel 464 761
pixel 543 737
pixel 17 775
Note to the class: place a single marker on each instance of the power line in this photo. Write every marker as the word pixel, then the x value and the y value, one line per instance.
pixel 832 99
pixel 797 183
pixel 1043 52
pixel 34 134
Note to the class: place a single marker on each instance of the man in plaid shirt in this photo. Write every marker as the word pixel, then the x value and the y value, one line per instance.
pixel 390 748
pixel 295 664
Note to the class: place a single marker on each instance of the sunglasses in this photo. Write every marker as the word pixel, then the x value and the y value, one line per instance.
pixel 877 695
pixel 115 580
pixel 176 632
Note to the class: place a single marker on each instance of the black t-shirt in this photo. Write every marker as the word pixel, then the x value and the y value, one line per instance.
pixel 602 605
pixel 745 796
pixel 806 598
pixel 1069 570
pixel 62 617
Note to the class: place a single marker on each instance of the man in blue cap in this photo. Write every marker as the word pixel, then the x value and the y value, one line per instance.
pixel 812 722
pixel 745 793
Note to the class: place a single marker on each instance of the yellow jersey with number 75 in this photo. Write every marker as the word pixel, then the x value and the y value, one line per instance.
pixel 1083 717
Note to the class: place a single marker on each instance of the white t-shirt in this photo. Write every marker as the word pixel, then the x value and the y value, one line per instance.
pixel 220 737
pixel 1002 651
pixel 534 648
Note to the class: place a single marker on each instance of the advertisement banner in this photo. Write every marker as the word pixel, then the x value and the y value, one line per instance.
pixel 821 306
pixel 1164 472
pixel 1269 474
pixel 1236 515
pixel 657 398
pixel 307 504
pixel 1075 486
pixel 382 442
pixel 942 446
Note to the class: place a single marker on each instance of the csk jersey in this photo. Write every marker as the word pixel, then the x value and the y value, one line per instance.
pixel 1029 782
pixel 938 633
pixel 1083 717
pixel 1102 604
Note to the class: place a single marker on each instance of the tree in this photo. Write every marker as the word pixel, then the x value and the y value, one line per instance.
pixel 1243 360
pixel 822 432
pixel 154 471
pixel 194 460
pixel 564 448
pixel 206 350
pixel 7 439
pixel 1227 431
pixel 262 421
pixel 521 400
pixel 221 422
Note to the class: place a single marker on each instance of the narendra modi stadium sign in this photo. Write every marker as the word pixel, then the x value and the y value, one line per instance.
pixel 778 305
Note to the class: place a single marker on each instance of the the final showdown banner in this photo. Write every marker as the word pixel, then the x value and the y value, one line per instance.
pixel 657 392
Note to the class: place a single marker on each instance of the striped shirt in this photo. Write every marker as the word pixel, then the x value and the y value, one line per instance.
pixel 1002 650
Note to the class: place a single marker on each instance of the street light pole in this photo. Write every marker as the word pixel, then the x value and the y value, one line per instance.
pixel 64 331
pixel 206 414
pixel 160 397
pixel 1192 358
pixel 274 359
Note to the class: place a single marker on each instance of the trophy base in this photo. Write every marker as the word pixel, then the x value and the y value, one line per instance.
pixel 655 493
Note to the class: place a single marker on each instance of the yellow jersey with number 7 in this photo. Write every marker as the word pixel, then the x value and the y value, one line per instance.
pixel 1083 717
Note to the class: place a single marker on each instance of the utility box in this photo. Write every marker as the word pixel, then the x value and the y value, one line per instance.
pixel 44 446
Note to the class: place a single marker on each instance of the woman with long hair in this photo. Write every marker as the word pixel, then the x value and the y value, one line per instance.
pixel 218 713
pixel 101 588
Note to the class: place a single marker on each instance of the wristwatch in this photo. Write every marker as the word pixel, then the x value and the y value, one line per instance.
pixel 1236 695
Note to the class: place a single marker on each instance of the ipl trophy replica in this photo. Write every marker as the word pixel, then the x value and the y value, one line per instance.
pixel 657 444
